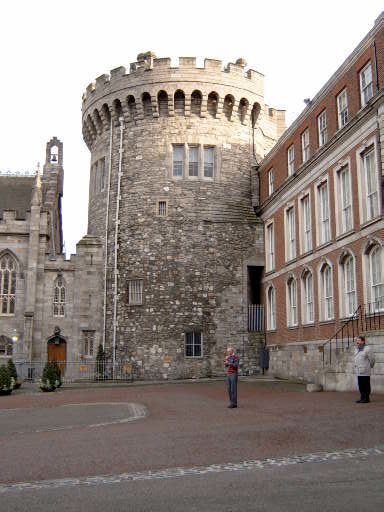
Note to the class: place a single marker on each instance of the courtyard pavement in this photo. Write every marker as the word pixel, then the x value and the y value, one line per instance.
pixel 177 447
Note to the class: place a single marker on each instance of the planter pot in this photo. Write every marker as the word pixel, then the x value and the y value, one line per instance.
pixel 17 385
pixel 4 392
pixel 47 390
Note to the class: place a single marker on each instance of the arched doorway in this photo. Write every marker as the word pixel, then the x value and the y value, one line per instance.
pixel 57 349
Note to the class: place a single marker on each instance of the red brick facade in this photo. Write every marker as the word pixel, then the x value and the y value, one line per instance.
pixel 344 180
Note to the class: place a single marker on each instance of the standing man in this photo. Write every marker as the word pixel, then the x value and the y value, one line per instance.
pixel 364 362
pixel 232 365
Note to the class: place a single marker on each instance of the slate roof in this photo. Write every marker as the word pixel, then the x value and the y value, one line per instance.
pixel 15 194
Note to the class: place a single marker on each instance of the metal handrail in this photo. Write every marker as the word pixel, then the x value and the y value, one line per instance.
pixel 367 317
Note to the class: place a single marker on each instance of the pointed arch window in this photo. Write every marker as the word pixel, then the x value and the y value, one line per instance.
pixel 376 277
pixel 7 285
pixel 326 293
pixel 59 295
pixel 348 288
pixel 308 309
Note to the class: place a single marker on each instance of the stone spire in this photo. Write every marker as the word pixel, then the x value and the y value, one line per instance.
pixel 36 192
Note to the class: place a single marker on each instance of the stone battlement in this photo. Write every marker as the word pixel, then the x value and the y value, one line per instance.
pixel 148 65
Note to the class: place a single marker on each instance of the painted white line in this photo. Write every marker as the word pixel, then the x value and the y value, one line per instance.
pixel 179 472
pixel 135 411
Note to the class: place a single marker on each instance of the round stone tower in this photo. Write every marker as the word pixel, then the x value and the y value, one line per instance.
pixel 171 197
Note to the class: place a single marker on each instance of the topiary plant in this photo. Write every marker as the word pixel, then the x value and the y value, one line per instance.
pixel 57 369
pixel 48 381
pixel 6 385
pixel 100 363
pixel 13 373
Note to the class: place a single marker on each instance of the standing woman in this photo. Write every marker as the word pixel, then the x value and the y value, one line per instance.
pixel 364 362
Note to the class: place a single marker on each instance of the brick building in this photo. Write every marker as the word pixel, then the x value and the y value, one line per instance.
pixel 321 202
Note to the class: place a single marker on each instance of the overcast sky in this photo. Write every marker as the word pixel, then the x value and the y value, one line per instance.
pixel 51 50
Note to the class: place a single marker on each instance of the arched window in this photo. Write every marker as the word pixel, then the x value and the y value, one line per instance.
pixel 179 102
pixel 348 285
pixel 131 108
pixel 196 103
pixel 243 108
pixel 229 101
pixel 59 297
pixel 98 121
pixel 106 114
pixel 375 283
pixel 213 100
pixel 7 285
pixel 162 101
pixel 271 304
pixel 326 293
pixel 307 287
pixel 255 114
pixel 118 110
pixel 147 105
pixel 291 302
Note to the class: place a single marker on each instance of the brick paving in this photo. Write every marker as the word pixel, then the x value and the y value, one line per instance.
pixel 188 426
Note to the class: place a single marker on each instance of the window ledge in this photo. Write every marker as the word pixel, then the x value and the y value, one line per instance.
pixel 269 272
pixel 325 244
pixel 307 253
pixel 271 330
pixel 371 221
pixel 293 260
pixel 327 322
pixel 312 324
pixel 293 327
pixel 345 235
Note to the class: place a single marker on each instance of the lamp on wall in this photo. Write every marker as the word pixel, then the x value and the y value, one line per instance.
pixel 15 336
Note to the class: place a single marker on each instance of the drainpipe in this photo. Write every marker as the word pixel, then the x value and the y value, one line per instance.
pixel 116 246
pixel 106 232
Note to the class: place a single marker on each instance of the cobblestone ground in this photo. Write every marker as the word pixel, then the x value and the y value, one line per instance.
pixel 180 429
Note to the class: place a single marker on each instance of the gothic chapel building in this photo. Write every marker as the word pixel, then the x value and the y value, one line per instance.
pixel 209 224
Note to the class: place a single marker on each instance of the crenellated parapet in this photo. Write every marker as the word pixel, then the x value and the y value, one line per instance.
pixel 153 89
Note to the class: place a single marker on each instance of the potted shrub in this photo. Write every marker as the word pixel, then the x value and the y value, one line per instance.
pixel 13 373
pixel 48 381
pixel 6 384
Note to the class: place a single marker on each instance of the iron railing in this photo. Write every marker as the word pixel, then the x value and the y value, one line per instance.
pixel 255 318
pixel 77 371
pixel 366 318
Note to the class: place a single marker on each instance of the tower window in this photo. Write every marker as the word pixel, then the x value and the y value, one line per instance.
pixel 162 208
pixel 209 159
pixel 59 297
pixel 135 292
pixel 193 161
pixel 193 344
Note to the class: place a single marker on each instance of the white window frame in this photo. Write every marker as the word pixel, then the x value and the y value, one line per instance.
pixel 347 286
pixel 206 163
pixel 193 165
pixel 366 84
pixel 176 163
pixel 369 200
pixel 89 344
pixel 271 311
pixel 326 309
pixel 342 108
pixel 271 180
pixel 135 292
pixel 291 160
pixel 308 308
pixel 290 232
pixel 270 245
pixel 375 278
pixel 305 221
pixel 322 128
pixel 323 214
pixel 193 345
pixel 305 146
pixel 343 198
pixel 291 301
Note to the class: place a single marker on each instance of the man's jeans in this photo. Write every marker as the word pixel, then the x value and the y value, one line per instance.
pixel 232 388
